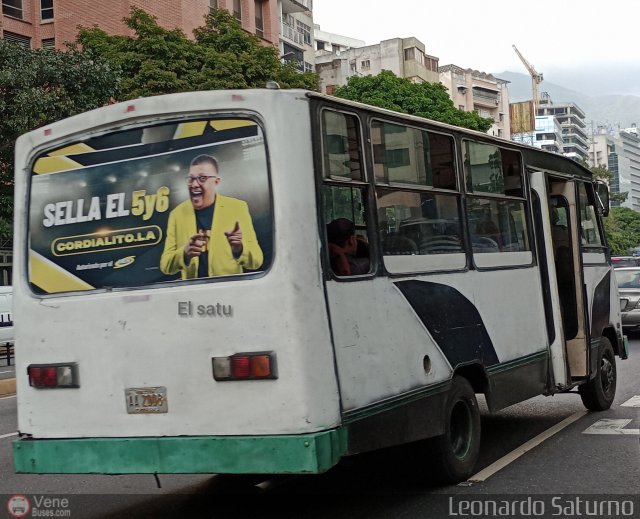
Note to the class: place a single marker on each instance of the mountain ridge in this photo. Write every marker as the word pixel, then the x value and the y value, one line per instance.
pixel 610 111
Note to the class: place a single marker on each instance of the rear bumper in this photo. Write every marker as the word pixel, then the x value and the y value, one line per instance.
pixel 287 454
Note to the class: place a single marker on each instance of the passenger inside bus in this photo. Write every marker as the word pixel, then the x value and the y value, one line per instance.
pixel 349 253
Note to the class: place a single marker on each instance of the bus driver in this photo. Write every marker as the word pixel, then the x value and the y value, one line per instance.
pixel 209 234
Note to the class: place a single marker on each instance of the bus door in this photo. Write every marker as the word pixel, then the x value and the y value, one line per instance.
pixel 569 347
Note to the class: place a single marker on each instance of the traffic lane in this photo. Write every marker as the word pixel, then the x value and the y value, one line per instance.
pixel 576 462
pixel 389 483
pixel 7 371
pixel 8 417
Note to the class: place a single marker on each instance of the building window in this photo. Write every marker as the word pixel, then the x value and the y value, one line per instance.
pixel 49 44
pixel 295 55
pixel 413 53
pixel 25 41
pixel 319 45
pixel 365 63
pixel 259 18
pixel 46 10
pixel 305 30
pixel 237 9
pixel 12 8
pixel 213 4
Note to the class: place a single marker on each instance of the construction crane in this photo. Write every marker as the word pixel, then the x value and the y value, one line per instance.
pixel 536 79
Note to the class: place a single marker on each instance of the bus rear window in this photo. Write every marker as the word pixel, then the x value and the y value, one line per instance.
pixel 174 201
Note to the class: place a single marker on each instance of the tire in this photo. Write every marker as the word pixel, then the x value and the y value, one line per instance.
pixel 598 393
pixel 457 450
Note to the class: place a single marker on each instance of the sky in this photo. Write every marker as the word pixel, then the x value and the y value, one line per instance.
pixel 583 45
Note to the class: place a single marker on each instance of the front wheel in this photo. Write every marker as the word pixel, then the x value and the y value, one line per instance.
pixel 599 392
pixel 458 448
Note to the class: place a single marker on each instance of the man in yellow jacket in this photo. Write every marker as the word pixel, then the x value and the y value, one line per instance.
pixel 209 234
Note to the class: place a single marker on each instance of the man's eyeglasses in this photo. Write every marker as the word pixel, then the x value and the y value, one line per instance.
pixel 201 179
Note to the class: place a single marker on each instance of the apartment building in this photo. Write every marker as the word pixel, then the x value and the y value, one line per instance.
pixel 405 57
pixel 600 147
pixel 328 42
pixel 297 42
pixel 49 24
pixel 572 121
pixel 546 136
pixel 474 91
pixel 627 149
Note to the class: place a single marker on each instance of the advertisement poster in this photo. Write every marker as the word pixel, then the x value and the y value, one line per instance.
pixel 100 213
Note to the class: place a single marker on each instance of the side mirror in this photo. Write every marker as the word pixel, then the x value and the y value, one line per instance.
pixel 602 189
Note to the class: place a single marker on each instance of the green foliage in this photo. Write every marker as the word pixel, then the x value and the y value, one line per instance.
pixel 160 61
pixel 38 87
pixel 429 100
pixel 623 230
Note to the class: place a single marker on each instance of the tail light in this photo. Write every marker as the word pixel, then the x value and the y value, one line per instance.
pixel 53 376
pixel 245 366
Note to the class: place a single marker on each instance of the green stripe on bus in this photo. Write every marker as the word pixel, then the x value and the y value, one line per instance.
pixel 518 363
pixel 286 454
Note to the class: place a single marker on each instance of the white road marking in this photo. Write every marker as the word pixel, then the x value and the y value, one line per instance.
pixel 2 372
pixel 8 435
pixel 524 448
pixel 7 397
pixel 611 426
pixel 634 401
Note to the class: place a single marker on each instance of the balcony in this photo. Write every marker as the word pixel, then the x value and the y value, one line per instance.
pixel 485 96
pixel 485 100
pixel 290 33
pixel 296 6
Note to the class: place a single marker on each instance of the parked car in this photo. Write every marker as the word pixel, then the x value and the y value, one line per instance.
pixel 628 279
pixel 625 261
pixel 6 315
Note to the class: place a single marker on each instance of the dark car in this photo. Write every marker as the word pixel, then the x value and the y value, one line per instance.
pixel 628 279
pixel 625 261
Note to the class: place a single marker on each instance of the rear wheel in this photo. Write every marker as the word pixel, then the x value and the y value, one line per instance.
pixel 458 448
pixel 598 393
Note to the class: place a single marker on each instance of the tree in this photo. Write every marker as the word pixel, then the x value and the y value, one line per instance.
pixel 38 87
pixel 160 61
pixel 429 100
pixel 623 230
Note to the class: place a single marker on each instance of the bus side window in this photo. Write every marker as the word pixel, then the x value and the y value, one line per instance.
pixel 344 196
pixel 495 207
pixel 417 197
pixel 589 230
pixel 342 150
pixel 346 230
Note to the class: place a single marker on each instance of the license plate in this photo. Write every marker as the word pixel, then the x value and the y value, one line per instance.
pixel 623 304
pixel 142 400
